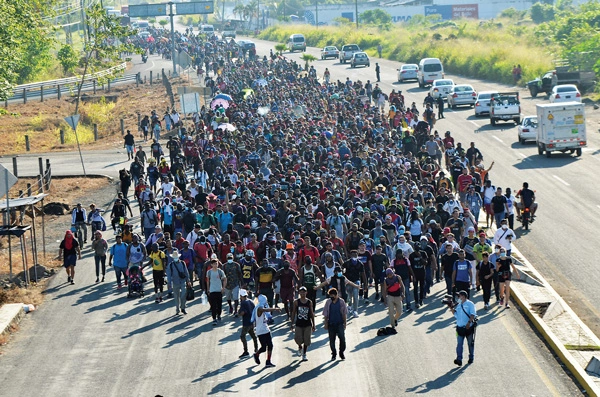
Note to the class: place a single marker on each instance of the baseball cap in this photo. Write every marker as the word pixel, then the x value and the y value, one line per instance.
pixel 243 292
pixel 463 293
pixel 303 288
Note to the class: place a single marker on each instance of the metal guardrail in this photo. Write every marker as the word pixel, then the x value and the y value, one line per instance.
pixel 67 88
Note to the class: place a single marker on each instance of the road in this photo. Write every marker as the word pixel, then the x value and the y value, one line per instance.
pixel 558 243
pixel 90 340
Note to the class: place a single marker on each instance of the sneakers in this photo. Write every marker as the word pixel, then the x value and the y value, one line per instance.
pixel 102 279
pixel 333 356
pixel 299 351
pixel 418 305
pixel 507 306
pixel 214 323
pixel 377 296
pixel 458 362
pixel 231 310
pixel 183 311
pixel 177 313
pixel 269 364
pixel 256 359
pixel 304 357
pixel 395 323
pixel 244 354
pixel 470 361
pixel 486 306
pixel 342 356
pixel 160 298
pixel 68 279
pixel 72 281
pixel 119 286
pixel 97 280
pixel 355 315
pixel 156 300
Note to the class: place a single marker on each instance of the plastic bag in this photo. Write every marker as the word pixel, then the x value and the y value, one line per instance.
pixel 189 293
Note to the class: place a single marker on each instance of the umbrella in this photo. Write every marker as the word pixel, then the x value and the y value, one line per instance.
pixel 216 102
pixel 261 82
pixel 263 110
pixel 227 126
pixel 335 96
pixel 328 134
pixel 247 92
pixel 304 73
pixel 223 96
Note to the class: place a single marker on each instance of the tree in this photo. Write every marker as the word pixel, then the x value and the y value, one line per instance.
pixel 163 22
pixel 375 17
pixel 68 58
pixel 25 41
pixel 280 48
pixel 307 58
pixel 542 12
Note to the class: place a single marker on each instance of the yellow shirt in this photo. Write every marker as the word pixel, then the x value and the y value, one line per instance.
pixel 158 260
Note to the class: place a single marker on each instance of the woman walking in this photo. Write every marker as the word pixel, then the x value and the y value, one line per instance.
pixel 69 251
pixel 100 247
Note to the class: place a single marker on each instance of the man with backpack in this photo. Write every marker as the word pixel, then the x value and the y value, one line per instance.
pixel 149 219
pixel 393 293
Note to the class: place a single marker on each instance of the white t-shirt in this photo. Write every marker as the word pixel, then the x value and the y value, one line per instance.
pixel 510 202
pixel 167 188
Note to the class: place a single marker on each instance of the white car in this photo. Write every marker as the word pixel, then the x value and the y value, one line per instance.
pixel 408 72
pixel 565 93
pixel 482 104
pixel 462 94
pixel 441 87
pixel 330 51
pixel 527 130
pixel 360 58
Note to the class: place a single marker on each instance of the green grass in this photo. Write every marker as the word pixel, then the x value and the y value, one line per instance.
pixel 487 51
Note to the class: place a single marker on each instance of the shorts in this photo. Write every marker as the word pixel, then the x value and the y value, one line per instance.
pixel 70 260
pixel 504 276
pixel 287 294
pixel 302 335
pixel 232 294
pixel 277 286
pixel 129 148
pixel 488 208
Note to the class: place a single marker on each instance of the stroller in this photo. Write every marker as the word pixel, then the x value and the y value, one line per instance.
pixel 135 283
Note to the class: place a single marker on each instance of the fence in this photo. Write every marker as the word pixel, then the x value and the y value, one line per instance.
pixel 43 181
pixel 68 85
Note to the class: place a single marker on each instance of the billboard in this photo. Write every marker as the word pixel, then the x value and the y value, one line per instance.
pixel 147 10
pixel 465 11
pixel 445 11
pixel 201 7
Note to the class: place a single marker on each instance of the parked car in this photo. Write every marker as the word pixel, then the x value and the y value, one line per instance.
pixel 462 94
pixel 360 58
pixel 482 104
pixel 408 72
pixel 565 93
pixel 347 51
pixel 527 130
pixel 330 51
pixel 441 87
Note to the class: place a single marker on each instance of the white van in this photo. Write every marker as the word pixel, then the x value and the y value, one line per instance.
pixel 430 69
pixel 208 30
pixel 296 42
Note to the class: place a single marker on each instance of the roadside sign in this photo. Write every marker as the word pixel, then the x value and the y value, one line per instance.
pixel 72 121
pixel 4 176
pixel 201 7
pixel 147 10
pixel 190 103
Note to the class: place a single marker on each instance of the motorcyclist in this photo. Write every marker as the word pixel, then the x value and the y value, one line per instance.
pixel 527 200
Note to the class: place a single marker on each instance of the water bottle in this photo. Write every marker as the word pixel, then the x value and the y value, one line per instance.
pixel 203 298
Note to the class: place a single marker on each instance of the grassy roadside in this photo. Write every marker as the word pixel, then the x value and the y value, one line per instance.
pixel 481 49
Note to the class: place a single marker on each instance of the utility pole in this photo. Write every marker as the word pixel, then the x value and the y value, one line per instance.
pixel 258 15
pixel 223 15
pixel 356 12
pixel 317 13
pixel 172 15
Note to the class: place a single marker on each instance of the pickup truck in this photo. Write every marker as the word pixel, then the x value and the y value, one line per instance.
pixel 583 80
pixel 347 51
pixel 228 33
pixel 505 106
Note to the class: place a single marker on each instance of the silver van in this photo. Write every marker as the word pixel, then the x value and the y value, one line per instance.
pixel 296 42
pixel 430 69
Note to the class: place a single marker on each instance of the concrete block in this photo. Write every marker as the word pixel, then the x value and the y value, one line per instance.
pixel 10 314
pixel 555 309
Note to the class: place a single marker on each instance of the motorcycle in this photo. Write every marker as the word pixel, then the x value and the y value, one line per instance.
pixel 144 58
pixel 526 218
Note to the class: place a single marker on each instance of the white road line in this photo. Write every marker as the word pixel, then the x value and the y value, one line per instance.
pixel 498 139
pixel 525 158
pixel 561 180
pixel 476 125
pixel 150 68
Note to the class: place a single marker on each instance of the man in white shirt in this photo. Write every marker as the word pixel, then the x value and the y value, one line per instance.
pixel 504 236
pixel 166 187
pixel 451 204
pixel 194 234
pixel 403 245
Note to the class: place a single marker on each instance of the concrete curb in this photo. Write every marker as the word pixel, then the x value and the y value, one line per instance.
pixel 586 381
pixel 95 176
pixel 10 315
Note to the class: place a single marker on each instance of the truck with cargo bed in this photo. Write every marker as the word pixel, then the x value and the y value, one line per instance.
pixel 561 128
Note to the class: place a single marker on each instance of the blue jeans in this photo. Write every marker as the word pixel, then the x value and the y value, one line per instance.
pixel 459 346
pixel 352 296
pixel 406 283
pixel 448 279
pixel 120 271
pixel 148 231
pixel 498 217
pixel 337 330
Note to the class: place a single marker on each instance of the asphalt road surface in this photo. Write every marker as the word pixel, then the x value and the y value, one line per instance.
pixel 90 340
pixel 559 244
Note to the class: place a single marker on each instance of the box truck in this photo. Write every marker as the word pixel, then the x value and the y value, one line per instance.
pixel 561 127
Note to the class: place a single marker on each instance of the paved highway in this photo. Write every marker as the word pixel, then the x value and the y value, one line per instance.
pixel 559 243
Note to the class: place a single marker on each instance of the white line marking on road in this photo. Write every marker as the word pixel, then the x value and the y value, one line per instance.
pixel 476 125
pixel 525 158
pixel 561 180
pixel 498 139
pixel 150 68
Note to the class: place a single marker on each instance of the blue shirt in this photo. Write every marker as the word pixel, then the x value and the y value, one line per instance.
pixel 463 270
pixel 247 307
pixel 335 313
pixel 462 318
pixel 119 254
